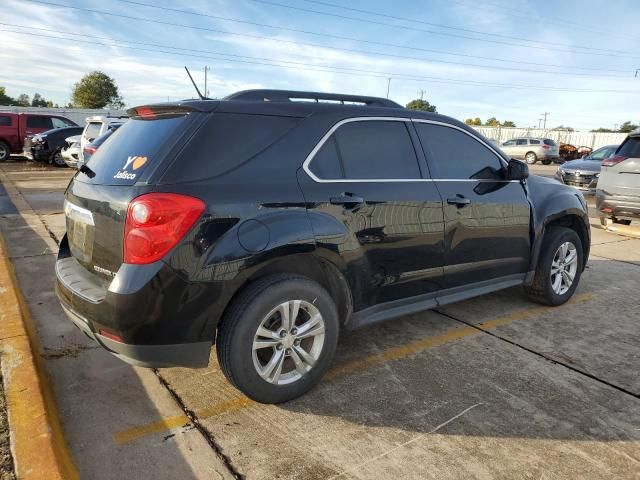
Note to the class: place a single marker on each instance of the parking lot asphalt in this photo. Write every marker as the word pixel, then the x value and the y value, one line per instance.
pixel 494 387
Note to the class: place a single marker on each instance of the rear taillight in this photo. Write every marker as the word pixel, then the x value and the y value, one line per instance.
pixel 611 161
pixel 155 223
pixel 89 150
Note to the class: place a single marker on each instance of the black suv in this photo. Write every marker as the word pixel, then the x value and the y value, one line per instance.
pixel 268 221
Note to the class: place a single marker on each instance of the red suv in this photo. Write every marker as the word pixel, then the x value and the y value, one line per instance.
pixel 14 127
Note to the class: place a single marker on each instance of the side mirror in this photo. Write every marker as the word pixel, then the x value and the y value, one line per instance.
pixel 517 170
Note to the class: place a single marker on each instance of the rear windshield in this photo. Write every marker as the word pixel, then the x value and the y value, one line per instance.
pixel 630 148
pixel 548 141
pixel 133 148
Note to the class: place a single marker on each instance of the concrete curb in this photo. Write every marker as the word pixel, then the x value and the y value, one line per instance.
pixel 37 442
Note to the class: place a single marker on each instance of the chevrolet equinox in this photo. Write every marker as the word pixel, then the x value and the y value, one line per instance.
pixel 268 221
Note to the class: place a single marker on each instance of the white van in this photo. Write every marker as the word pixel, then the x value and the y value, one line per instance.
pixel 94 127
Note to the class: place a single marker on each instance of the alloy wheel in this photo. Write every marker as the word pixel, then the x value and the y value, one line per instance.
pixel 288 342
pixel 563 268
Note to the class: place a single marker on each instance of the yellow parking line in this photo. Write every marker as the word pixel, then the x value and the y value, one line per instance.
pixel 391 354
pixel 131 434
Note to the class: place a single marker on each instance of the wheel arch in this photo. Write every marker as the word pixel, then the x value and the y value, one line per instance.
pixel 309 265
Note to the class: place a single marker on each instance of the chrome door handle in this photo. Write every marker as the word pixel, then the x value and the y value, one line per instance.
pixel 459 201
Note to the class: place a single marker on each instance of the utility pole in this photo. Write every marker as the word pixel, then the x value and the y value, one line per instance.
pixel 388 86
pixel 206 69
pixel 545 119
pixel 539 122
pixel 421 92
pixel 637 70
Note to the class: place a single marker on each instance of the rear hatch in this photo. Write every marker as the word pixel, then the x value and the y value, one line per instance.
pixel 123 168
pixel 621 172
pixel 552 148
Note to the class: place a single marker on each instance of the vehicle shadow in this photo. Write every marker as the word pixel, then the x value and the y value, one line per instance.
pixel 97 395
pixel 534 372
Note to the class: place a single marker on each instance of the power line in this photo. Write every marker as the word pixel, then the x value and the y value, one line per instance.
pixel 304 56
pixel 344 71
pixel 298 43
pixel 547 19
pixel 404 27
pixel 439 25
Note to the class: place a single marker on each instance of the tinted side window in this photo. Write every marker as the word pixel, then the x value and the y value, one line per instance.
pixel 548 141
pixel 521 141
pixel 454 154
pixel 5 121
pixel 534 142
pixel 227 141
pixel 34 121
pixel 509 143
pixel 326 164
pixel 377 149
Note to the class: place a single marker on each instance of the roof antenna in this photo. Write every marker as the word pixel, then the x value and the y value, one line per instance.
pixel 194 85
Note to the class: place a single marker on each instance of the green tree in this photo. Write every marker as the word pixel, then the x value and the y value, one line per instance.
pixel 473 121
pixel 419 104
pixel 562 127
pixel 4 98
pixel 96 90
pixel 492 122
pixel 22 100
pixel 508 123
pixel 627 127
pixel 40 101
pixel 602 130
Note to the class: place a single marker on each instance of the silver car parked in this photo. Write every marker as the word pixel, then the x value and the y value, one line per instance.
pixel 532 149
pixel 618 192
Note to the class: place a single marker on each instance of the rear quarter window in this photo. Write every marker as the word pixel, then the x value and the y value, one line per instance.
pixel 548 141
pixel 630 148
pixel 225 142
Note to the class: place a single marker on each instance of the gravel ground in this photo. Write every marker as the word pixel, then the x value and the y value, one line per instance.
pixel 6 469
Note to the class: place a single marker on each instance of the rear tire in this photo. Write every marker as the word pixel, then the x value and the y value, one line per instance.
pixel 254 334
pixel 546 162
pixel 5 151
pixel 530 158
pixel 546 288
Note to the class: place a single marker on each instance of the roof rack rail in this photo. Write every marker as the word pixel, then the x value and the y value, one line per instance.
pixel 317 97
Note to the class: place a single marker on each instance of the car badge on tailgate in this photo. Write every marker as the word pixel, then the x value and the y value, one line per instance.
pixel 136 162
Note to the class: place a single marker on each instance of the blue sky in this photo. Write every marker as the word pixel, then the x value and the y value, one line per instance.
pixel 509 59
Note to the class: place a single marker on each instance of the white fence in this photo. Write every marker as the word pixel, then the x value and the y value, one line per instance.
pixel 75 114
pixel 579 139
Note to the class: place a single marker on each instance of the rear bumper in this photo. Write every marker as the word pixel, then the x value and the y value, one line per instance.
pixel 193 355
pixel 618 206
pixel 159 317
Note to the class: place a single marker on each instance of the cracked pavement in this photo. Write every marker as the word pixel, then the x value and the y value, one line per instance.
pixel 493 387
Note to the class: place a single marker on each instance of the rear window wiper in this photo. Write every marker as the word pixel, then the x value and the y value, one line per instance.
pixel 87 171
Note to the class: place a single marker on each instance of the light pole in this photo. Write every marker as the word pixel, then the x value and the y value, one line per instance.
pixel 388 86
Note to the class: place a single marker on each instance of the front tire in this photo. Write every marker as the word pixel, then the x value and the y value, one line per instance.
pixel 278 338
pixel 530 158
pixel 559 267
pixel 546 162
